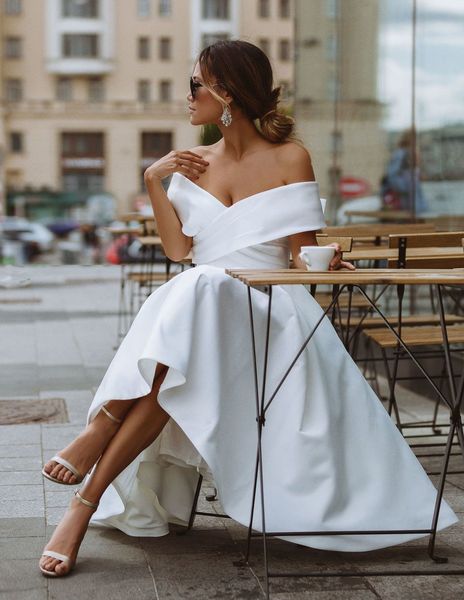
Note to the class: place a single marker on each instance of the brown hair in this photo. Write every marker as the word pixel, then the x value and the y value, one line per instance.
pixel 245 72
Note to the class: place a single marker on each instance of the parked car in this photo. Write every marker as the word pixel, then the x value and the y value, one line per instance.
pixel 29 232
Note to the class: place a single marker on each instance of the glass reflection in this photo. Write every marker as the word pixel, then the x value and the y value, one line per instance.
pixel 379 103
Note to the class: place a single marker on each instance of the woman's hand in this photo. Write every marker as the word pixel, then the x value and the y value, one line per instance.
pixel 181 161
pixel 337 262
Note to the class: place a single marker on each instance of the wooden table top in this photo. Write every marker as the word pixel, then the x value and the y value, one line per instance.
pixel 254 277
pixel 384 253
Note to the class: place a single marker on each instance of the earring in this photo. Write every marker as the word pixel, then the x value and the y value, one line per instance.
pixel 226 117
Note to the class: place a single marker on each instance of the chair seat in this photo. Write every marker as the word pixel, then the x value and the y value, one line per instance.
pixel 357 301
pixel 430 319
pixel 427 335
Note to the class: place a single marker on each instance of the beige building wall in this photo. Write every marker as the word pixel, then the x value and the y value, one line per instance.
pixel 338 115
pixel 121 117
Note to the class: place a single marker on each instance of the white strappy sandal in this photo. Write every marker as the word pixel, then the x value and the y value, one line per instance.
pixel 61 461
pixel 65 559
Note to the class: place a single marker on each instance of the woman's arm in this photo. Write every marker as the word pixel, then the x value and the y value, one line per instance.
pixel 297 167
pixel 175 243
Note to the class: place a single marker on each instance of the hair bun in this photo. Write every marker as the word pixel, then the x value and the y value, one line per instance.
pixel 276 126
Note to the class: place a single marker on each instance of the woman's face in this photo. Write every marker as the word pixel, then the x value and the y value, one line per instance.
pixel 203 108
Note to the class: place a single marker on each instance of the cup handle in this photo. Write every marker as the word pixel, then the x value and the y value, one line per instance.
pixel 304 256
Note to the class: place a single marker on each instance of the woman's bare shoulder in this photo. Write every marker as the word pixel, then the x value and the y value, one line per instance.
pixel 203 151
pixel 295 161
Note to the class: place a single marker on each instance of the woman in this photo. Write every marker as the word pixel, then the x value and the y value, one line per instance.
pixel 178 394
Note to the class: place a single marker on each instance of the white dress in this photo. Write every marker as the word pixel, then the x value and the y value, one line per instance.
pixel 333 459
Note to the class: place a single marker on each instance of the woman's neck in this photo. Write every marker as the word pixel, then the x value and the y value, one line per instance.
pixel 240 138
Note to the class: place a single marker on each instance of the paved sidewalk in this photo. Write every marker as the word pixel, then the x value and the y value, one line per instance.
pixel 57 338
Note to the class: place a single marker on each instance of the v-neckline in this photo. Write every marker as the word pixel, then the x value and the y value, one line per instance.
pixel 216 199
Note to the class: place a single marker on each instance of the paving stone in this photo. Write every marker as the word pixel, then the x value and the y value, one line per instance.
pixel 20 478
pixel 19 380
pixel 22 577
pixel 34 594
pixel 57 436
pixel 21 492
pixel 20 464
pixel 331 595
pixel 59 499
pixel 21 548
pixel 21 508
pixel 419 588
pixel 104 578
pixel 19 434
pixel 22 527
pixel 20 450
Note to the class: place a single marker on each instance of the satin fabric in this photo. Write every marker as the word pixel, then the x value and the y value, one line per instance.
pixel 333 460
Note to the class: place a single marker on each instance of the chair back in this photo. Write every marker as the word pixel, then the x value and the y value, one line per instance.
pixel 344 241
pixel 440 250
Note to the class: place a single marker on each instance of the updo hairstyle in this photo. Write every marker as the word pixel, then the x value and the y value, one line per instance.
pixel 245 72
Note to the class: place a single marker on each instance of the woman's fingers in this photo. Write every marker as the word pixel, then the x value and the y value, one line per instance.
pixel 187 155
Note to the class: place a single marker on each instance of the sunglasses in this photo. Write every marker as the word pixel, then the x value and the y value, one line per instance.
pixel 194 85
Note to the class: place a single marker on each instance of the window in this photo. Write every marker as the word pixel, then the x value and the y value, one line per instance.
pixel 64 91
pixel 215 9
pixel 16 142
pixel 164 8
pixel 96 89
pixel 82 144
pixel 13 47
pixel 284 9
pixel 165 90
pixel 210 38
pixel 144 90
pixel 13 7
pixel 264 10
pixel 143 48
pixel 82 162
pixel 143 8
pixel 81 9
pixel 156 144
pixel 14 90
pixel 79 45
pixel 284 50
pixel 165 48
pixel 265 46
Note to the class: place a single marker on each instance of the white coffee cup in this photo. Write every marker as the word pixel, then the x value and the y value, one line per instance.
pixel 317 258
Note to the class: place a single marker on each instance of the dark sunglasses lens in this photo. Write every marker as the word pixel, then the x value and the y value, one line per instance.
pixel 193 87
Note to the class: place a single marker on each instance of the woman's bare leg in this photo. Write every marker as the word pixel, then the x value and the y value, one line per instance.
pixel 84 451
pixel 140 428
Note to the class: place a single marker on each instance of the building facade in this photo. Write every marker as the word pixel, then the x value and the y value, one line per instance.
pixel 93 91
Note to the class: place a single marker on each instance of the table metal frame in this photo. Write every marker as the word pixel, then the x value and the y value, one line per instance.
pixel 263 403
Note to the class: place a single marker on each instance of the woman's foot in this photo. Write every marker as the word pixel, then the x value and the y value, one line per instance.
pixel 84 451
pixel 67 538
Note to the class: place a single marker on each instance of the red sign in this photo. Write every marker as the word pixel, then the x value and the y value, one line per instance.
pixel 354 187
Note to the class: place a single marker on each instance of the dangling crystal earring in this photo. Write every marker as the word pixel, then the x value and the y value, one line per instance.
pixel 226 117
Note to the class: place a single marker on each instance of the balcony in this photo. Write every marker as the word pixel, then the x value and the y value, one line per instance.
pixel 79 66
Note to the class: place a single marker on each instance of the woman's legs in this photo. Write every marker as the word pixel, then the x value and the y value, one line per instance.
pixel 140 428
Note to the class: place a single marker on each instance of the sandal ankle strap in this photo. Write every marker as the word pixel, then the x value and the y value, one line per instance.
pixel 84 501
pixel 110 416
